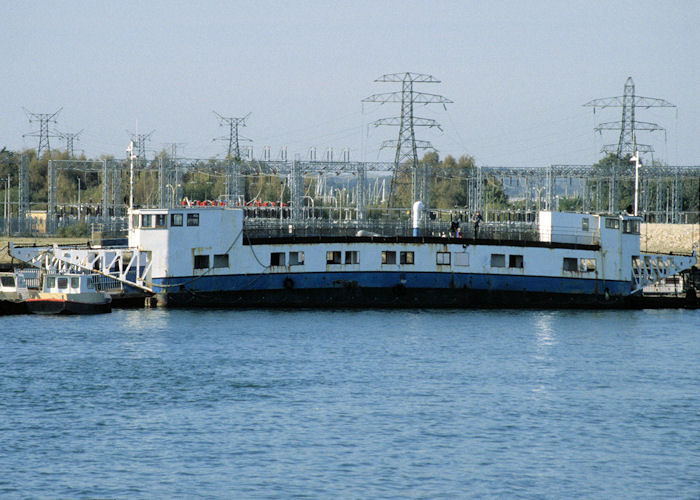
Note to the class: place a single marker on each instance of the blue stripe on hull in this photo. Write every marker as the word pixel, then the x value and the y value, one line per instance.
pixel 432 281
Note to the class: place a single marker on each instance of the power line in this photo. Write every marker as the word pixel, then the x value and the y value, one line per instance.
pixel 172 148
pixel 234 149
pixel 628 125
pixel 43 133
pixel 139 141
pixel 70 137
pixel 406 145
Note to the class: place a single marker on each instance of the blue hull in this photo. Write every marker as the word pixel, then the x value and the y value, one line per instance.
pixel 387 289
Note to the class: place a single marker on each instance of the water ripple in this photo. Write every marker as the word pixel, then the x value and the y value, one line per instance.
pixel 395 404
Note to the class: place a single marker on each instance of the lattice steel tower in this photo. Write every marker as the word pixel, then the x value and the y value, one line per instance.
pixel 139 141
pixel 43 133
pixel 70 137
pixel 628 125
pixel 406 145
pixel 234 149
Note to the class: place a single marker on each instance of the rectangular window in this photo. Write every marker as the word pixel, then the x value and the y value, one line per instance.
pixel 587 265
pixel 352 257
pixel 461 259
pixel 442 259
pixel 161 220
pixel 75 282
pixel 515 261
pixel 50 282
pixel 630 226
pixel 135 221
pixel 62 283
pixel 570 264
pixel 221 260
pixel 498 260
pixel 8 281
pixel 406 258
pixel 612 223
pixel 201 262
pixel 277 259
pixel 176 220
pixel 584 224
pixel 388 257
pixel 296 258
pixel 193 219
pixel 146 220
pixel 333 257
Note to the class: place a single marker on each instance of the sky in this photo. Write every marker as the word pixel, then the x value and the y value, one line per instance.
pixel 518 73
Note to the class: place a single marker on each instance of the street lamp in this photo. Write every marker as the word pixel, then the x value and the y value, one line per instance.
pixel 172 198
pixel 539 197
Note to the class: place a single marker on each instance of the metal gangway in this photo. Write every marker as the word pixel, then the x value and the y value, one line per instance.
pixel 649 268
pixel 117 267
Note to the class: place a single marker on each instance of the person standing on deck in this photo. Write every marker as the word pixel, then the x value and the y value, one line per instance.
pixel 476 220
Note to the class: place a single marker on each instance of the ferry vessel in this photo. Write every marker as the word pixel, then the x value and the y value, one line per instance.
pixel 214 255
pixel 221 257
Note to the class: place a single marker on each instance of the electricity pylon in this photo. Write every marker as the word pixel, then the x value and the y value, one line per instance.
pixel 234 149
pixel 139 141
pixel 628 125
pixel 69 138
pixel 43 133
pixel 406 145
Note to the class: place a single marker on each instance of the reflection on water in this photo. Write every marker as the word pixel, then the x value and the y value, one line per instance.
pixel 544 330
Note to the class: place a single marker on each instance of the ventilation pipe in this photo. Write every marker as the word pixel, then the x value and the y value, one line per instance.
pixel 417 211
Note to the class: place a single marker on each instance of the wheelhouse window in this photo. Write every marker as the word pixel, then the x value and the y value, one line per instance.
pixel 74 282
pixel 611 223
pixel 193 219
pixel 135 221
pixel 221 260
pixel 201 262
pixel 277 259
pixel 146 220
pixel 443 258
pixel 51 282
pixel 296 258
pixel 161 220
pixel 406 257
pixel 352 257
pixel 388 257
pixel 176 219
pixel 7 281
pixel 62 283
pixel 333 257
pixel 630 226
pixel 498 260
pixel 515 261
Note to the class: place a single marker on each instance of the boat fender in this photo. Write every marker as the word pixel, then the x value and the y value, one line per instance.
pixel 288 283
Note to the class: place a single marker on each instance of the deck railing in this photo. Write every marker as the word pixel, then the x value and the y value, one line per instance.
pixel 275 228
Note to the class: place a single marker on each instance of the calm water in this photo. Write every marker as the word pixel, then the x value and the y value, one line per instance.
pixel 351 404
